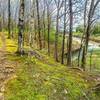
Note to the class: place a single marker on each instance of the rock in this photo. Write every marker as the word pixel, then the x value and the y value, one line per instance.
pixel 35 54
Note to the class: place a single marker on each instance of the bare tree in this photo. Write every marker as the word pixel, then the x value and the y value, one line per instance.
pixel 70 34
pixel 39 28
pixel 63 42
pixel 59 4
pixel 48 4
pixel 85 11
pixel 9 19
pixel 90 14
pixel 44 25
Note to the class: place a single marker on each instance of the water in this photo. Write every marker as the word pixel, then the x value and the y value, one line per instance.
pixel 93 46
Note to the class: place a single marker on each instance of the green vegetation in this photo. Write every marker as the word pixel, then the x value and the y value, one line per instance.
pixel 42 57
pixel 45 79
pixel 79 29
pixel 95 62
pixel 96 29
pixel 52 37
pixel 39 81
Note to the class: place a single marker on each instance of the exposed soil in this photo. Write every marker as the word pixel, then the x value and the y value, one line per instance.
pixel 6 68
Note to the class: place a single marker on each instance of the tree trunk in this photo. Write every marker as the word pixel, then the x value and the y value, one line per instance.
pixel 56 36
pixel 21 28
pixel 87 34
pixel 70 34
pixel 48 31
pixel 85 48
pixel 44 26
pixel 9 19
pixel 91 53
pixel 39 30
pixel 0 23
pixel 85 9
pixel 63 42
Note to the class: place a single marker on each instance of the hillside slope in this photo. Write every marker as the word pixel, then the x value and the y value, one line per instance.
pixel 39 77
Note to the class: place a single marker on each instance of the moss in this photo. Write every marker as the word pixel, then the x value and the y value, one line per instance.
pixel 11 46
pixel 44 79
pixel 37 80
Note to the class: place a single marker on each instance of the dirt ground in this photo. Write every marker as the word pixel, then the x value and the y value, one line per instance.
pixel 6 67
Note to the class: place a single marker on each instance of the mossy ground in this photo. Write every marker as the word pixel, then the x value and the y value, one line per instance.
pixel 39 81
pixel 45 79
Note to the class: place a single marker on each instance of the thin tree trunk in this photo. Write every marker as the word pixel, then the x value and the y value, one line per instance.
pixel 85 9
pixel 70 34
pixel 91 59
pixel 85 48
pixel 63 42
pixel 0 20
pixel 39 30
pixel 9 20
pixel 35 21
pixel 48 31
pixel 56 37
pixel 44 26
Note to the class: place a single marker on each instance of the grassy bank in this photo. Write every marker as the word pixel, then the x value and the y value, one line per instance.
pixel 44 79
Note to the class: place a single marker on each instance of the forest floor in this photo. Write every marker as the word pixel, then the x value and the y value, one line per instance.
pixel 6 67
pixel 39 77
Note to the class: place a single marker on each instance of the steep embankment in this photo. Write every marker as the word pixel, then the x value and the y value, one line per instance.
pixel 39 77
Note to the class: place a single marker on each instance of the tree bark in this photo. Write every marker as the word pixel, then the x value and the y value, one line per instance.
pixel 63 42
pixel 56 36
pixel 9 20
pixel 44 25
pixel 39 29
pixel 70 34
pixel 48 30
pixel 21 28
pixel 87 35
pixel 85 9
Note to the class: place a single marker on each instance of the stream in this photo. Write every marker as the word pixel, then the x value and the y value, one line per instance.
pixel 93 46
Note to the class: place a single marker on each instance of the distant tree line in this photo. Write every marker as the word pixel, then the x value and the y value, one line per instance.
pixel 95 30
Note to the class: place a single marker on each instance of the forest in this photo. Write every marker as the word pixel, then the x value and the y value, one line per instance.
pixel 49 49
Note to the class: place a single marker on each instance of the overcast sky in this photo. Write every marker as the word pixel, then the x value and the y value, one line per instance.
pixel 78 18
